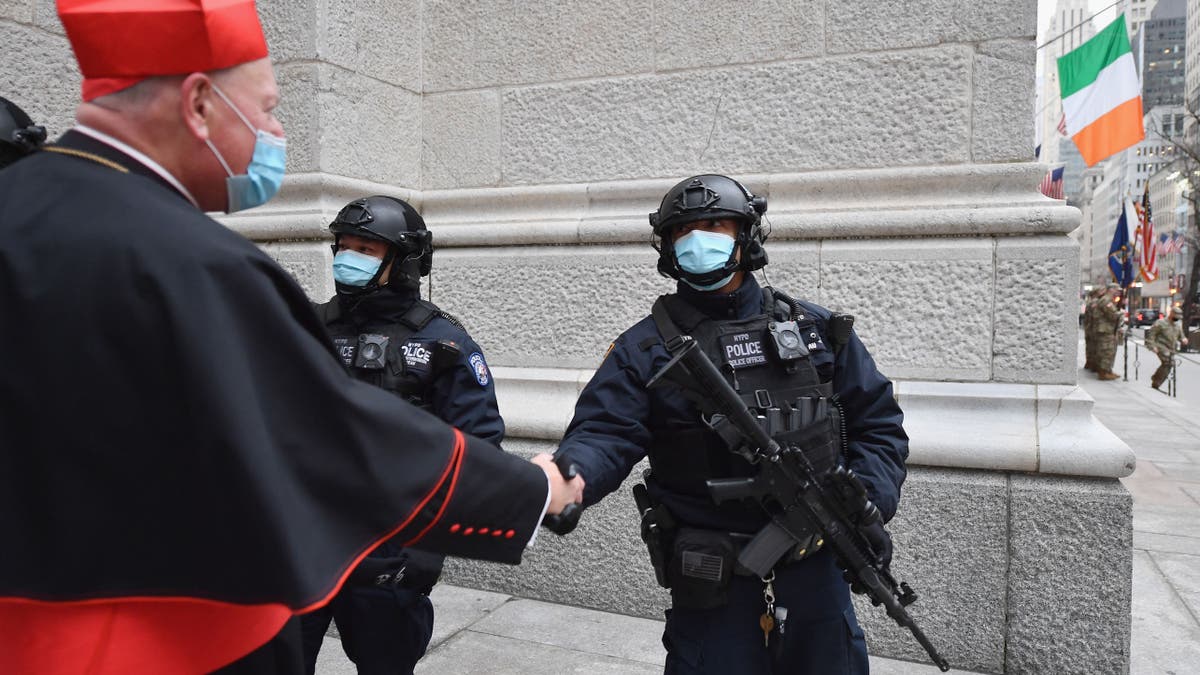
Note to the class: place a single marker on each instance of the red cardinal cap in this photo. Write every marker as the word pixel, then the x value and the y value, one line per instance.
pixel 119 43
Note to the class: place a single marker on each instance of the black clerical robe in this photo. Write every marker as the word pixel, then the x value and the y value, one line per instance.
pixel 184 463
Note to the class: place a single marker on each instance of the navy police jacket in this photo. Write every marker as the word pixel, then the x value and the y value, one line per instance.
pixel 446 365
pixel 614 424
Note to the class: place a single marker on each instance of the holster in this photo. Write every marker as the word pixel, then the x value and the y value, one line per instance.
pixel 658 531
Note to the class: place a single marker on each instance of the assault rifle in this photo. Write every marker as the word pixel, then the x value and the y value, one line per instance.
pixel 833 505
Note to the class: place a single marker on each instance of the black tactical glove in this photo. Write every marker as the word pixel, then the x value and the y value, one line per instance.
pixel 870 526
pixel 881 542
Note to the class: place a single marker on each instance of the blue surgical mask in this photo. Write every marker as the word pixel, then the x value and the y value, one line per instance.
pixel 354 269
pixel 265 173
pixel 699 251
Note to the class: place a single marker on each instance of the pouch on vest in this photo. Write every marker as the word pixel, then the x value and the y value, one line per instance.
pixel 701 566
pixel 814 425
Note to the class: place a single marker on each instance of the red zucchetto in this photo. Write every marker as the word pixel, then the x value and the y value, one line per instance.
pixel 119 43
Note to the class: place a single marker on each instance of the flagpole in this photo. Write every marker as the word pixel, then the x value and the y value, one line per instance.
pixel 1125 291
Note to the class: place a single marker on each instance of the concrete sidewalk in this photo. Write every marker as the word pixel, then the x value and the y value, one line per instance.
pixel 1164 433
pixel 482 632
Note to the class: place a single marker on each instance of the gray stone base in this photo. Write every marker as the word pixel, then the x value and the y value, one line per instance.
pixel 1016 573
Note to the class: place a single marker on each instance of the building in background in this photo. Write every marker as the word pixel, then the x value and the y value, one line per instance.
pixel 1084 234
pixel 1073 170
pixel 1125 174
pixel 1138 12
pixel 1192 55
pixel 1172 214
pixel 1161 46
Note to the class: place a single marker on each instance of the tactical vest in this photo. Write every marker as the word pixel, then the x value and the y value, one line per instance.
pixel 767 359
pixel 388 358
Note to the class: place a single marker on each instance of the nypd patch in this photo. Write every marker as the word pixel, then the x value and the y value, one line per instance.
pixel 479 367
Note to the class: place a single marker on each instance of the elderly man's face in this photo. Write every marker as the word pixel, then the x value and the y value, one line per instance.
pixel 251 86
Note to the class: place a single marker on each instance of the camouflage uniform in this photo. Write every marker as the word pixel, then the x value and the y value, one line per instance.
pixel 1161 340
pixel 1089 329
pixel 1106 319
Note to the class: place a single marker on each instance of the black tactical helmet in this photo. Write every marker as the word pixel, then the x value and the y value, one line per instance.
pixel 710 197
pixel 19 136
pixel 393 221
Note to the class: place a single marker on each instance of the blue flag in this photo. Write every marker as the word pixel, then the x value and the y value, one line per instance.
pixel 1120 255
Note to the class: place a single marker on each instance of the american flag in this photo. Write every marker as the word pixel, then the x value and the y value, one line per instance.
pixel 1147 243
pixel 1052 184
pixel 1177 242
pixel 1062 124
pixel 1168 244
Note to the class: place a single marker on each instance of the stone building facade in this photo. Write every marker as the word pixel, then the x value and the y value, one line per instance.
pixel 892 140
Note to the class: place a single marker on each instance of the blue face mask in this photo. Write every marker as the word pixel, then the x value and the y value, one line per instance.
pixel 354 269
pixel 699 251
pixel 265 173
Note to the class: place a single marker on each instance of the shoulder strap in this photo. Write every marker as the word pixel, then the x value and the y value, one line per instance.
pixel 667 311
pixel 423 311
pixel 666 327
pixel 418 314
pixel 328 312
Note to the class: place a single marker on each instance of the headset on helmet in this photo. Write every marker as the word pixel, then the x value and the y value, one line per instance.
pixel 711 197
pixel 398 224
pixel 19 136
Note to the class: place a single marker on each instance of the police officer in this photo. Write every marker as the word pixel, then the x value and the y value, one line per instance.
pixel 19 136
pixel 710 238
pixel 388 336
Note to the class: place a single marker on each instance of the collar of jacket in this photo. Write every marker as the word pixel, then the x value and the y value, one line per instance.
pixel 74 140
pixel 387 303
pixel 744 302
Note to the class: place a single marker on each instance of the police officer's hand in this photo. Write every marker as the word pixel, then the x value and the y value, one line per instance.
pixel 881 542
pixel 562 491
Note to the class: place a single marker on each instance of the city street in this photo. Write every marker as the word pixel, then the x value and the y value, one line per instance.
pixel 1164 433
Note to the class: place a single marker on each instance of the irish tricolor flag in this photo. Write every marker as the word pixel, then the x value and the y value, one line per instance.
pixel 1101 95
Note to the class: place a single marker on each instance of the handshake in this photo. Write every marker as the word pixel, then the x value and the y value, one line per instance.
pixel 566 493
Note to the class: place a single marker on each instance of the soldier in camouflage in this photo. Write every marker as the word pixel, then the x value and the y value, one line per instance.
pixel 1161 340
pixel 1106 320
pixel 1089 330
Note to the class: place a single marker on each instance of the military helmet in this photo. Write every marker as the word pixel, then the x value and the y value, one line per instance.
pixel 710 197
pixel 395 222
pixel 707 197
pixel 19 136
